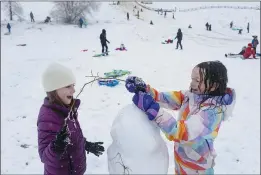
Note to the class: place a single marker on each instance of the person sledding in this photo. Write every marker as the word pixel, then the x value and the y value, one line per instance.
pixel 250 52
pixel 235 55
pixel 168 41
pixel 121 48
pixel 104 41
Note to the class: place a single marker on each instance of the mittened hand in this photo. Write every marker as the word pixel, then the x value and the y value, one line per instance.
pixel 135 84
pixel 61 140
pixel 94 147
pixel 146 103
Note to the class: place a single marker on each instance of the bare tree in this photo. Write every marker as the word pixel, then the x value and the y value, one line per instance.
pixel 12 9
pixel 70 11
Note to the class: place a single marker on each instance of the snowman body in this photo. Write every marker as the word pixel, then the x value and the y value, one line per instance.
pixel 137 146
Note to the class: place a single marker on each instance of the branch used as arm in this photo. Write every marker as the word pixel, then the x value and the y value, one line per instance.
pixel 96 78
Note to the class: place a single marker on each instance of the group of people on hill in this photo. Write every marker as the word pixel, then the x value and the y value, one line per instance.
pixel 249 51
pixel 240 30
pixel 47 20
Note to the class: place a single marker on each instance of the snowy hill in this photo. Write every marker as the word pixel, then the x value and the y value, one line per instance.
pixel 164 67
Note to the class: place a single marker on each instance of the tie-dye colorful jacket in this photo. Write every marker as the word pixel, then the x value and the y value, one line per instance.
pixel 196 128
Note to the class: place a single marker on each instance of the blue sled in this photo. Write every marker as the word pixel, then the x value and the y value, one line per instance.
pixel 110 83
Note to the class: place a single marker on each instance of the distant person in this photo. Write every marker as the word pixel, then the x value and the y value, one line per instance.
pixel 249 51
pixel 207 25
pixel 255 42
pixel 240 53
pixel 231 24
pixel 47 20
pixel 80 22
pixel 104 41
pixel 32 17
pixel 9 28
pixel 179 39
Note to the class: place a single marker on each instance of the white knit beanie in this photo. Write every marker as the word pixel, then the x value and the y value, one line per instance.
pixel 57 76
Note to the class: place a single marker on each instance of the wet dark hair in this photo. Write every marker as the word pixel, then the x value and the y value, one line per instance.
pixel 215 75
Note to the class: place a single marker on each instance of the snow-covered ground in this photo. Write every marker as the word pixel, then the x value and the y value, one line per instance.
pixel 164 67
pixel 185 5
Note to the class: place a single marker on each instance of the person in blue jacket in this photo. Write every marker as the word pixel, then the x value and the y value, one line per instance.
pixel 81 22
pixel 254 42
pixel 9 28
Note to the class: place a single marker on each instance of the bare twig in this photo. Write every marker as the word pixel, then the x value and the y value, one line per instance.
pixel 105 78
pixel 96 78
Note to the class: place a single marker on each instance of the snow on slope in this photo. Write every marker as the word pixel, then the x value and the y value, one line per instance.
pixel 162 66
pixel 185 5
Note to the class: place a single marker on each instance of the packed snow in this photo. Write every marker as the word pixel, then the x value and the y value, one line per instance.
pixel 126 148
pixel 162 66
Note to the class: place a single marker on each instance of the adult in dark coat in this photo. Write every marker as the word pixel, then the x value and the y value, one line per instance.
pixel 104 41
pixel 179 39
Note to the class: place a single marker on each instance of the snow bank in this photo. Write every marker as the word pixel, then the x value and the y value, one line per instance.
pixel 137 146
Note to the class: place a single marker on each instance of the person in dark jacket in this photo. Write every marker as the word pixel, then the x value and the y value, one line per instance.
pixel 32 17
pixel 9 28
pixel 179 39
pixel 242 52
pixel 128 16
pixel 240 31
pixel 80 22
pixel 247 27
pixel 231 24
pixel 207 25
pixel 104 41
pixel 47 20
pixel 61 144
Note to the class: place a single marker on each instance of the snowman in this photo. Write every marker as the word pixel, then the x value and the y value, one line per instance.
pixel 137 146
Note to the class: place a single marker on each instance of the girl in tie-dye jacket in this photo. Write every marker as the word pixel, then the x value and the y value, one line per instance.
pixel 202 109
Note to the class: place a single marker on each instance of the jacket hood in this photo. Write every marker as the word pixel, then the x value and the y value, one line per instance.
pixel 227 102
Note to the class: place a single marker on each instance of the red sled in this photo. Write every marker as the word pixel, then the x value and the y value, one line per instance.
pixel 120 49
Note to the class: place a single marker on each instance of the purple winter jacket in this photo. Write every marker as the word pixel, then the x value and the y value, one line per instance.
pixel 50 121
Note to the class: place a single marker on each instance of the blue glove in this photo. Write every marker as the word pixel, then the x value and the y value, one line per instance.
pixel 135 84
pixel 145 102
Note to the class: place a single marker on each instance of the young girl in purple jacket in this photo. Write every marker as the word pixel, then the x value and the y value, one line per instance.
pixel 61 144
